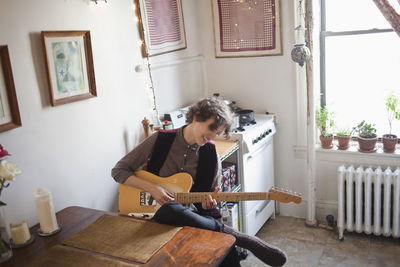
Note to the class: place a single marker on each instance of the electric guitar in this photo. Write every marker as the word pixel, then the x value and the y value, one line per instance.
pixel 132 200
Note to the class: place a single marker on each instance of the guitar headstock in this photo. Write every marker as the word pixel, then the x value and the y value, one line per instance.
pixel 284 196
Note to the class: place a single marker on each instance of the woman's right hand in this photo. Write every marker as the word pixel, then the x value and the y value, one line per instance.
pixel 161 195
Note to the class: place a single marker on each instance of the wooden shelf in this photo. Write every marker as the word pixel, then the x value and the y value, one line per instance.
pixel 225 148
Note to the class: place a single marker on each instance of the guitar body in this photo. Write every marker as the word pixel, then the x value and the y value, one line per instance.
pixel 134 200
pixel 137 201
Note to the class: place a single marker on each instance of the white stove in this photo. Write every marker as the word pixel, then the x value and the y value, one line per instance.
pixel 257 165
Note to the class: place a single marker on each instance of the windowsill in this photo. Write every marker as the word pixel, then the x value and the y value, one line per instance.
pixel 353 156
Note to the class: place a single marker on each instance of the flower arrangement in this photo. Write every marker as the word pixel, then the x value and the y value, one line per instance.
pixel 8 171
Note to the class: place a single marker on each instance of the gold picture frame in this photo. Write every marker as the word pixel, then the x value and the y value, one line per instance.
pixel 164 32
pixel 69 64
pixel 247 28
pixel 9 111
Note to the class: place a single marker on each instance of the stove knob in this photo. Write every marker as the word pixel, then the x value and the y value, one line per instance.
pixel 269 131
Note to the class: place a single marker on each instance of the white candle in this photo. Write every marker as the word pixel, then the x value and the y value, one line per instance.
pixel 20 232
pixel 45 210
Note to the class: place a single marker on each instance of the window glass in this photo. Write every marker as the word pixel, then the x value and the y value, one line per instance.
pixel 361 70
pixel 350 15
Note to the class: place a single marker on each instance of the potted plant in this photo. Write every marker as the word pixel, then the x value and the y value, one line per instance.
pixel 366 137
pixel 324 121
pixel 390 140
pixel 343 137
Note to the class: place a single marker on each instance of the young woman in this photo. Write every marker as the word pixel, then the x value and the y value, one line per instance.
pixel 190 149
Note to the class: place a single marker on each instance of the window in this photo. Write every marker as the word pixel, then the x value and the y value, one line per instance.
pixel 360 63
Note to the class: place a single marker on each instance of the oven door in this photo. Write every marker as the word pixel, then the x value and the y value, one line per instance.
pixel 258 176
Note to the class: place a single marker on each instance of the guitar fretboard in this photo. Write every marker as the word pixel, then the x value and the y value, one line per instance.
pixel 197 197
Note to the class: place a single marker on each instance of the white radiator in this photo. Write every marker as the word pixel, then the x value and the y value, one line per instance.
pixel 369 201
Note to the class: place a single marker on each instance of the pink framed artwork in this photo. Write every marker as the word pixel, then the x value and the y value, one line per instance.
pixel 246 28
pixel 161 26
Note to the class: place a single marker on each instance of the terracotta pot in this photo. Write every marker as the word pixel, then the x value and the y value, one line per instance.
pixel 367 145
pixel 343 142
pixel 389 143
pixel 326 142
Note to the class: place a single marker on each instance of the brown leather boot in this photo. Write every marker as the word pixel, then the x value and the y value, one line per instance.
pixel 267 253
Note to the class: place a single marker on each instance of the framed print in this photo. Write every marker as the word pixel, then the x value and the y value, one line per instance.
pixel 9 112
pixel 69 63
pixel 247 28
pixel 161 26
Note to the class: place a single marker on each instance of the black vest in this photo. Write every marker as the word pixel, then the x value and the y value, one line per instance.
pixel 206 167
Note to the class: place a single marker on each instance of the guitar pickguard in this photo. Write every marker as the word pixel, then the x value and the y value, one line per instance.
pixel 146 199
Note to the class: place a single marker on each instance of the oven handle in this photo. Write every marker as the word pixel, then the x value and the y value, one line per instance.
pixel 262 206
pixel 253 154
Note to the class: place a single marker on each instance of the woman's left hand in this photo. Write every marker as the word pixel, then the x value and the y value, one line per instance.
pixel 210 203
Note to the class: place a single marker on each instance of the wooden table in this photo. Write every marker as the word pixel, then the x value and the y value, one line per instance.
pixel 209 252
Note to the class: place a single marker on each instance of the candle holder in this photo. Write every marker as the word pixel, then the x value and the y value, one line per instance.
pixel 28 242
pixel 41 233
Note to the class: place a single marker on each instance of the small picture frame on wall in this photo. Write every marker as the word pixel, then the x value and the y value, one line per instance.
pixel 161 26
pixel 69 63
pixel 9 112
pixel 247 28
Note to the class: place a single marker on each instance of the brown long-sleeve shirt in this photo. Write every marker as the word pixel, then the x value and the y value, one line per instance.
pixel 182 157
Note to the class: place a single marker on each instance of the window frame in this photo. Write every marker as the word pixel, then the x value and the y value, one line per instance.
pixel 322 37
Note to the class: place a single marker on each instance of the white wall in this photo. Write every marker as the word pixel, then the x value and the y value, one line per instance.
pixel 70 149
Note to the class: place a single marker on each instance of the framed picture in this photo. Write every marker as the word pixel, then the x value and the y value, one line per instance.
pixel 69 63
pixel 161 26
pixel 247 28
pixel 9 112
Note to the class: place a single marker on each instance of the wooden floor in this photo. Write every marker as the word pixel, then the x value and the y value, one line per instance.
pixel 310 247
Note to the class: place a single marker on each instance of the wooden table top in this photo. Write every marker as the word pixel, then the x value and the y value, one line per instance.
pixel 205 247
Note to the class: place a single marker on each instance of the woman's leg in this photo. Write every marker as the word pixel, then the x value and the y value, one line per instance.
pixel 175 214
pixel 267 253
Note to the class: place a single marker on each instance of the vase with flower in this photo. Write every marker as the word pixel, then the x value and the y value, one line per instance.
pixel 8 171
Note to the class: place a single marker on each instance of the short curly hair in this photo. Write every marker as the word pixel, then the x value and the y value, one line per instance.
pixel 211 107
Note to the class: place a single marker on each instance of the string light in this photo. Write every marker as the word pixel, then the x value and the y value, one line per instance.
pixel 152 95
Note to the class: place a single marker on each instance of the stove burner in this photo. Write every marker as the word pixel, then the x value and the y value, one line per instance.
pixel 239 129
pixel 248 123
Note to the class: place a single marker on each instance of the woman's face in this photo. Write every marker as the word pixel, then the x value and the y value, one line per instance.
pixel 205 131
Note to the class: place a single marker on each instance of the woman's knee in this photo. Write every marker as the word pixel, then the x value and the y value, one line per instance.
pixel 168 212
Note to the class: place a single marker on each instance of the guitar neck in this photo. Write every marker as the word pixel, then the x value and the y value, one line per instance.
pixel 197 197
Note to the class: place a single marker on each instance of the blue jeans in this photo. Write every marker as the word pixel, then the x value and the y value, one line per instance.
pixel 173 213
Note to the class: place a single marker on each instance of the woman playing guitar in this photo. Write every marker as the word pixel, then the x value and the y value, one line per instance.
pixel 190 149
